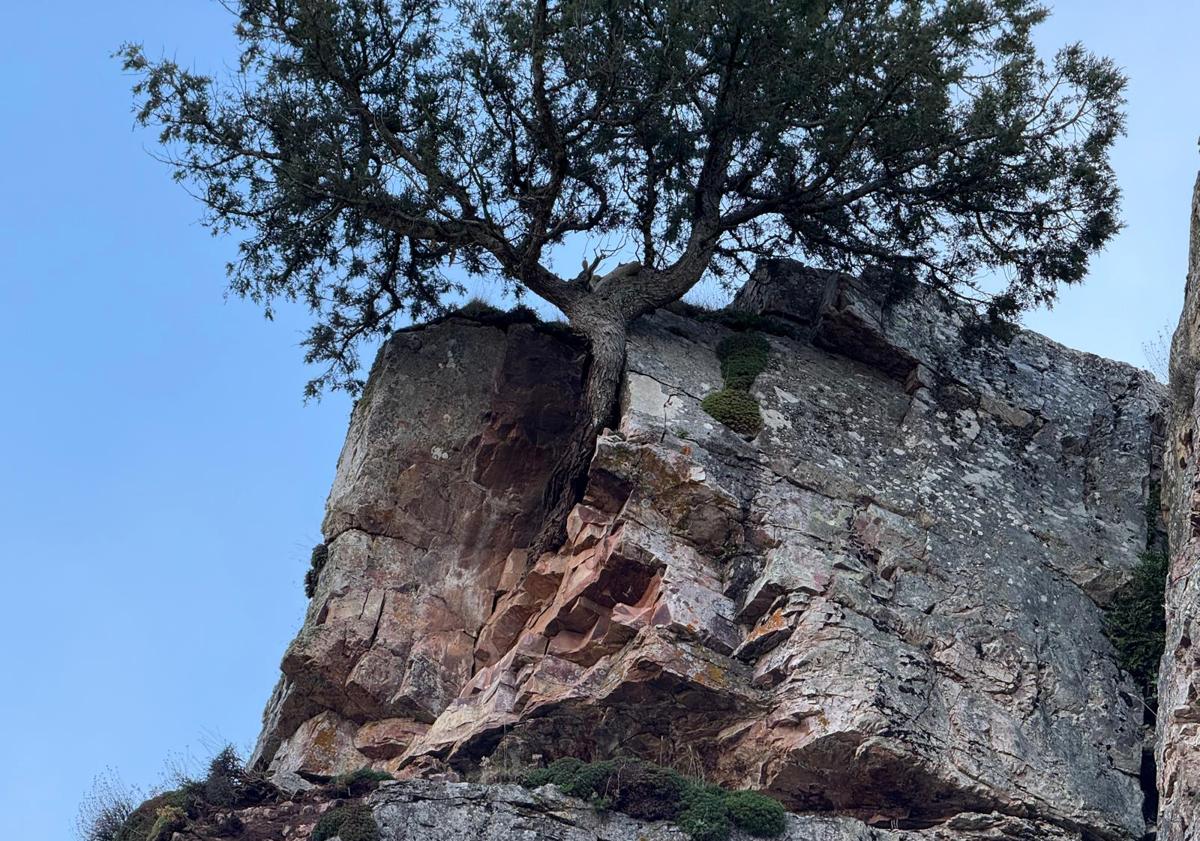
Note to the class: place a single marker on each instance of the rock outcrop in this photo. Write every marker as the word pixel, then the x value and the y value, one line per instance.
pixel 886 608
pixel 439 811
pixel 1178 745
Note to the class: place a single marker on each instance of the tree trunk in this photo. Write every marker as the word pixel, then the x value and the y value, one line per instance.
pixel 606 334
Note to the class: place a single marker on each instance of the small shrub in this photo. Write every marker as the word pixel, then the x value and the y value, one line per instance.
pixel 481 311
pixel 735 408
pixel 359 782
pixel 146 822
pixel 743 357
pixel 220 787
pixel 651 792
pixel 704 817
pixel 105 809
pixel 1136 622
pixel 168 821
pixel 350 823
pixel 759 815
pixel 320 555
pixel 559 773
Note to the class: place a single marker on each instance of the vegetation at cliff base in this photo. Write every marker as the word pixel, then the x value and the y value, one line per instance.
pixel 1136 622
pixel 352 822
pixel 108 813
pixel 647 791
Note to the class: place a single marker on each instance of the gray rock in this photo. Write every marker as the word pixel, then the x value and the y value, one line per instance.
pixel 430 811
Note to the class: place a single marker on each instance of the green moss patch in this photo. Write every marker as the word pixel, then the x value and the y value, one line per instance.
pixel 743 357
pixel 651 792
pixel 350 823
pixel 735 408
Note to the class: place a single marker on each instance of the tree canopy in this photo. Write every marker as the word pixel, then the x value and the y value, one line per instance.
pixel 371 153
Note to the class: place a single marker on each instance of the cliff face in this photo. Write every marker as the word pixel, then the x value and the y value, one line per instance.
pixel 1178 745
pixel 886 606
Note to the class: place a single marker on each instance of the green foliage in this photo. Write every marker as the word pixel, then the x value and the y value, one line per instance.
pixel 737 409
pixel 704 817
pixel 168 821
pixel 743 357
pixel 147 819
pixel 359 782
pixel 226 784
pixel 434 140
pixel 759 815
pixel 353 822
pixel 224 778
pixel 320 556
pixel 651 792
pixel 1136 622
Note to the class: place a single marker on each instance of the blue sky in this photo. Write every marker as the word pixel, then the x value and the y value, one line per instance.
pixel 162 481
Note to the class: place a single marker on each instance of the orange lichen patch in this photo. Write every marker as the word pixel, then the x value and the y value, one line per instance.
pixel 324 738
pixel 713 675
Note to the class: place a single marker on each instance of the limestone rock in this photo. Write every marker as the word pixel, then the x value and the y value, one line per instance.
pixel 886 607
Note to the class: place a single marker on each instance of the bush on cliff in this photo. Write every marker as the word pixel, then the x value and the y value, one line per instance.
pixel 1136 622
pixel 108 814
pixel 316 563
pixel 647 791
pixel 759 815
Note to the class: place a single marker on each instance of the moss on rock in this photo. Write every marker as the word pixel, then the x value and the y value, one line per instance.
pixel 349 823
pixel 743 357
pixel 735 408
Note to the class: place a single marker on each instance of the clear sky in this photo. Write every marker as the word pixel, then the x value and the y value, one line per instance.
pixel 162 482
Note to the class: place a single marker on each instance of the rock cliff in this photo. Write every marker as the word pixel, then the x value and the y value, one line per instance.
pixel 1178 745
pixel 884 609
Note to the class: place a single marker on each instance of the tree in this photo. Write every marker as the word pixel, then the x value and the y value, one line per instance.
pixel 366 149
